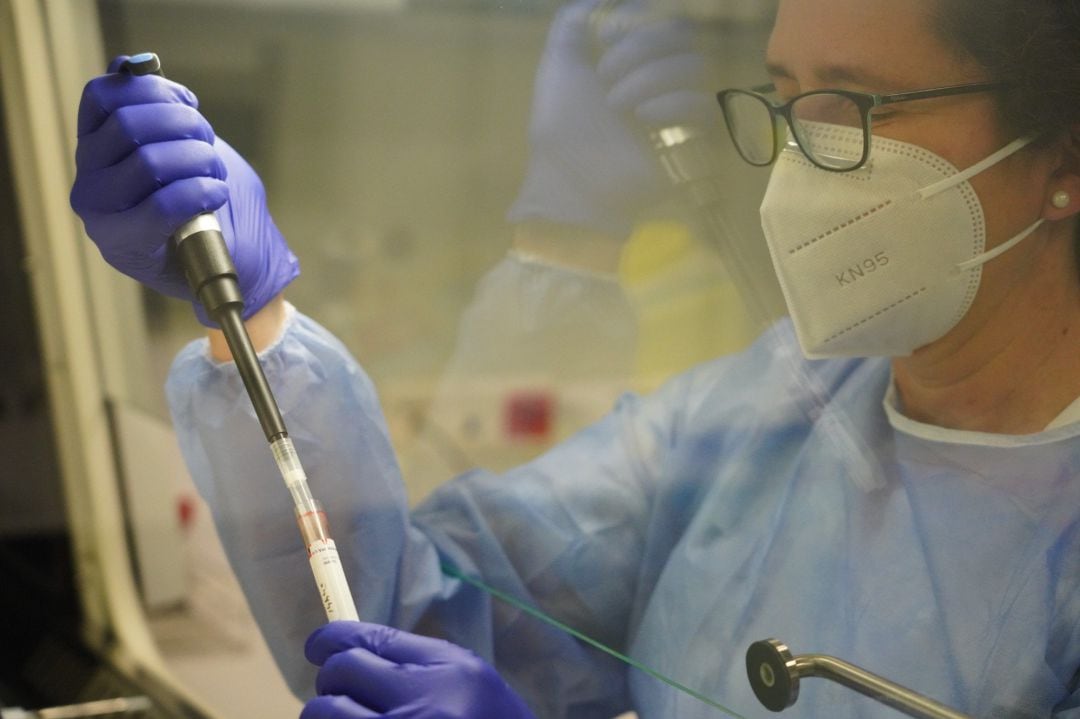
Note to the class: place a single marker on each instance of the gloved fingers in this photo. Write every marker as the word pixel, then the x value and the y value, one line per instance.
pixel 179 201
pixel 684 107
pixel 158 217
pixel 367 678
pixel 148 263
pixel 614 19
pixel 672 74
pixel 636 49
pixel 336 707
pixel 105 93
pixel 142 173
pixel 386 642
pixel 571 31
pixel 407 648
pixel 133 126
pixel 334 637
pixel 114 65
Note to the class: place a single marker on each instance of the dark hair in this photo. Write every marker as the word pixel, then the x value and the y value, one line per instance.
pixel 1031 45
pixel 1034 47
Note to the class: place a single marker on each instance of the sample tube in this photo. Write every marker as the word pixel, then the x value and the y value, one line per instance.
pixel 322 552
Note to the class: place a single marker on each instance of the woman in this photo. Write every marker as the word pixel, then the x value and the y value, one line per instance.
pixel 915 515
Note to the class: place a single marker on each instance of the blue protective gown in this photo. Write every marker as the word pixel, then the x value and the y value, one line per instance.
pixel 756 496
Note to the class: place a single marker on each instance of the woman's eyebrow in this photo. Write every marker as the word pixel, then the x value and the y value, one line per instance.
pixel 777 70
pixel 837 74
pixel 847 75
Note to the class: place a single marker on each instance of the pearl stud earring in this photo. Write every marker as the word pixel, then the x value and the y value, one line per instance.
pixel 1061 199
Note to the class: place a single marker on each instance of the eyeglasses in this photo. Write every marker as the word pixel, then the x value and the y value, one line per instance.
pixel 752 120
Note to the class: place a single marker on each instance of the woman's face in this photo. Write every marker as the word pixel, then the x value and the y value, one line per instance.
pixel 884 46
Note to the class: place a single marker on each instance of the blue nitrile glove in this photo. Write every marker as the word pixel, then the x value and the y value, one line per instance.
pixel 147 161
pixel 370 670
pixel 595 98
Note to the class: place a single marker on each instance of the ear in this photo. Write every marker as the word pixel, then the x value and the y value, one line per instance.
pixel 1063 190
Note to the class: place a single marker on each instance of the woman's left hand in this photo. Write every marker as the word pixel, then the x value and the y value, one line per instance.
pixel 370 670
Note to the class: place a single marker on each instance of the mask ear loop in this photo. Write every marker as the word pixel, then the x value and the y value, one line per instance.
pixel 953 180
pixel 1004 247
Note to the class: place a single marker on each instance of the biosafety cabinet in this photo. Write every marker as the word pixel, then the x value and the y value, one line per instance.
pixel 391 136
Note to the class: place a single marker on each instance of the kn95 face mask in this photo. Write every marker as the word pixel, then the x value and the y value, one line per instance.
pixel 882 260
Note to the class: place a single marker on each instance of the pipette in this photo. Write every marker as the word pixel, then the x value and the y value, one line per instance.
pixel 204 257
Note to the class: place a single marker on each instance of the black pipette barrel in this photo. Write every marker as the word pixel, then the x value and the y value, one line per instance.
pixel 200 248
pixel 247 363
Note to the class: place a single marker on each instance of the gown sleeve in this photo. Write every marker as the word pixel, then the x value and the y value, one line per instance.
pixel 563 533
pixel 1070 709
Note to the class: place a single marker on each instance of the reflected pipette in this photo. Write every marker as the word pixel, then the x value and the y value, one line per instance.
pixel 201 250
pixel 691 162
pixel 104 707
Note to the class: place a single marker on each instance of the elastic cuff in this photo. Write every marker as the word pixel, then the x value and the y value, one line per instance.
pixel 290 320
pixel 527 258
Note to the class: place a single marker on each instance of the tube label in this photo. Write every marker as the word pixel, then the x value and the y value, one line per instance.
pixel 330 579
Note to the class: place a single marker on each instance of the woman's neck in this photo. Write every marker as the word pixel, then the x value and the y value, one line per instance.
pixel 1011 366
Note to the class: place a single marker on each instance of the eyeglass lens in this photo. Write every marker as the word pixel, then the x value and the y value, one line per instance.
pixel 828 126
pixel 751 126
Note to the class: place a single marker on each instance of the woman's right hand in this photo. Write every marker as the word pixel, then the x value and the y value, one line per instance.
pixel 147 162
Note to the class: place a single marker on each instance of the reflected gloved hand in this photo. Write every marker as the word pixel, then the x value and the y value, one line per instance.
pixel 369 670
pixel 599 88
pixel 146 162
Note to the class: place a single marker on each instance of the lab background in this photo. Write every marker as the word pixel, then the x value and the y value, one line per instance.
pixel 391 136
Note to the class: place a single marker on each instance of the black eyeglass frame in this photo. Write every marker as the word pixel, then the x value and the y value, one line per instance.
pixel 865 101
